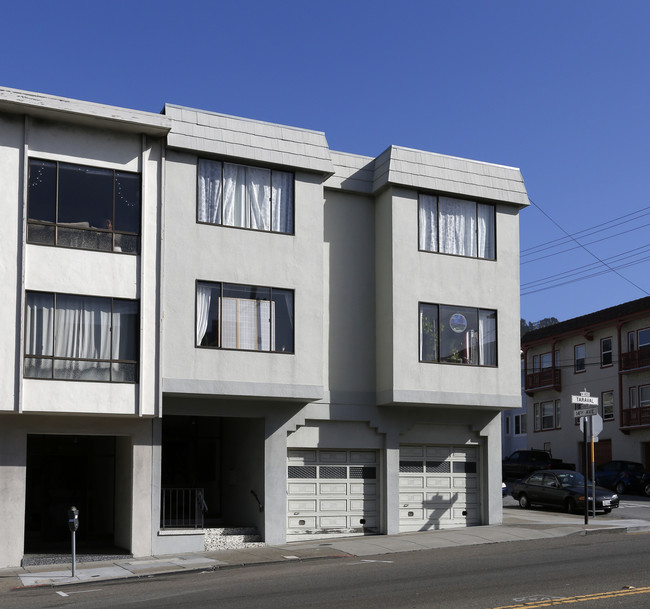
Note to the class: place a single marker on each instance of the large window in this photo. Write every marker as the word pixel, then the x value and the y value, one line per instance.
pixel 608 405
pixel 606 352
pixel 455 226
pixel 83 207
pixel 458 335
pixel 81 338
pixel 579 361
pixel 246 197
pixel 250 318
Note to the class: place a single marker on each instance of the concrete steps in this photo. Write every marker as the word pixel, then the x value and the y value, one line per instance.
pixel 232 538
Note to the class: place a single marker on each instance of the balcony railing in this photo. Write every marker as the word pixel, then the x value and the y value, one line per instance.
pixel 636 417
pixel 182 508
pixel 549 378
pixel 632 360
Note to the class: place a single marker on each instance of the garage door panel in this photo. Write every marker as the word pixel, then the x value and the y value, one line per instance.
pixel 450 479
pixel 339 498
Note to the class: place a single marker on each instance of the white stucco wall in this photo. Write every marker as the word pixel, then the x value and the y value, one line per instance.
pixel 224 254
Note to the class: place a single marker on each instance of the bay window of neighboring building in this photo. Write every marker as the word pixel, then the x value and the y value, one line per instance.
pixel 244 317
pixel 245 197
pixel 81 338
pixel 579 358
pixel 608 405
pixel 547 415
pixel 458 335
pixel 606 352
pixel 456 226
pixel 83 207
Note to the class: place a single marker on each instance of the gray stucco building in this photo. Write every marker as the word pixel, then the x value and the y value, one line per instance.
pixel 213 321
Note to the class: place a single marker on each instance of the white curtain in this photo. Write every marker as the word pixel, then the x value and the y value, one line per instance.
pixel 203 300
pixel 282 197
pixel 486 240
pixel 210 187
pixel 247 324
pixel 40 316
pixel 457 226
pixel 235 207
pixel 428 223
pixel 82 327
pixel 487 328
pixel 259 194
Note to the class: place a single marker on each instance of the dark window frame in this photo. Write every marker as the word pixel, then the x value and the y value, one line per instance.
pixel 110 361
pixel 220 285
pixel 246 228
pixel 437 330
pixel 119 238
pixel 459 199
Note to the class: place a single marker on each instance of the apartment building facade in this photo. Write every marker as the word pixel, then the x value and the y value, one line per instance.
pixel 303 341
pixel 605 353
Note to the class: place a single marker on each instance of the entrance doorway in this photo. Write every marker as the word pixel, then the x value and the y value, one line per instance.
pixel 65 471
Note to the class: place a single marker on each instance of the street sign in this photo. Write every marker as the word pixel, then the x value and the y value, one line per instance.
pixel 587 400
pixel 585 412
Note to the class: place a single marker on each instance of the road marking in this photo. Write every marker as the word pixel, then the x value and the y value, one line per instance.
pixel 76 592
pixel 549 602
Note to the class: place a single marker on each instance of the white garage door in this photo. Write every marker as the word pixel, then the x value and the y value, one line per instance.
pixel 332 492
pixel 438 487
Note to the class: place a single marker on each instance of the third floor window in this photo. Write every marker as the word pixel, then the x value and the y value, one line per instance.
pixel 455 226
pixel 83 207
pixel 245 197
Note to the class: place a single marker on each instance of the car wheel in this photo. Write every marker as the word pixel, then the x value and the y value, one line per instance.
pixel 646 489
pixel 620 488
pixel 607 510
pixel 571 506
pixel 523 502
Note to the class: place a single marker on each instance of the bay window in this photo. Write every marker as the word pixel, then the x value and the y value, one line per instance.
pixel 245 197
pixel 457 335
pixel 83 207
pixel 81 338
pixel 456 226
pixel 244 317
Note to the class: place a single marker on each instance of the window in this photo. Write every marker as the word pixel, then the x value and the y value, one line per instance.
pixel 458 335
pixel 644 396
pixel 579 358
pixel 547 415
pixel 608 405
pixel 507 419
pixel 606 352
pixel 455 226
pixel 244 317
pixel 520 424
pixel 245 197
pixel 81 338
pixel 83 207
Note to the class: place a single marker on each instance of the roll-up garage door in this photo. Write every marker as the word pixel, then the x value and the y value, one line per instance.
pixel 332 492
pixel 438 487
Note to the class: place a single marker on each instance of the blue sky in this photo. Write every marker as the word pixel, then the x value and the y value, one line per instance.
pixel 559 89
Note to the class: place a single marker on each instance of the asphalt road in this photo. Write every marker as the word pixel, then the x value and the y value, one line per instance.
pixel 612 568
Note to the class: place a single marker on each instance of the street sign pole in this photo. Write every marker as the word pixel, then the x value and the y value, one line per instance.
pixel 585 419
pixel 593 467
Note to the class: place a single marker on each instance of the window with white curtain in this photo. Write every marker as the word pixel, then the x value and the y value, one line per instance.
pixel 81 338
pixel 245 196
pixel 456 226
pixel 457 335
pixel 244 317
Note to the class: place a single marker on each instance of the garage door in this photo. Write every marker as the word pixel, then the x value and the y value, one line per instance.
pixel 438 487
pixel 332 492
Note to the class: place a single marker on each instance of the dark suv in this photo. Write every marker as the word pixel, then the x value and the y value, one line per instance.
pixel 623 477
pixel 523 462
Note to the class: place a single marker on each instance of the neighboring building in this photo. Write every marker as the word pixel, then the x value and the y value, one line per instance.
pixel 211 312
pixel 514 426
pixel 607 354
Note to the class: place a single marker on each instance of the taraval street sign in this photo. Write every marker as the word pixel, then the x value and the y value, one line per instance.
pixel 587 400
pixel 589 405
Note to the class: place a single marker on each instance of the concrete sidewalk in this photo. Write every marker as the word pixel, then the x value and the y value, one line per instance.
pixel 518 525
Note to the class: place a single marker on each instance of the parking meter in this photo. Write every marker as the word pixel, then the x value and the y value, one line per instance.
pixel 73 519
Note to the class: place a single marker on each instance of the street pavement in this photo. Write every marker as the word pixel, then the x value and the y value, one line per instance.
pixel 518 525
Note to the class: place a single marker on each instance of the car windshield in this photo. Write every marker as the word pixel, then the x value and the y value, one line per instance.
pixel 571 479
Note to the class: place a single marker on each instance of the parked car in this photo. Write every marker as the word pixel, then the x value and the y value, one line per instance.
pixel 561 488
pixel 523 462
pixel 504 489
pixel 623 477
